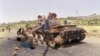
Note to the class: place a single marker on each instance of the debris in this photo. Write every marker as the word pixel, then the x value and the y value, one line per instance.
pixel 15 53
pixel 15 50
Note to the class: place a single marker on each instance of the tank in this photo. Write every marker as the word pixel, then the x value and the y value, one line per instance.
pixel 66 33
pixel 58 35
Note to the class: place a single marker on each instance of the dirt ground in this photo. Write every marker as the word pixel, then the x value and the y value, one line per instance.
pixel 90 46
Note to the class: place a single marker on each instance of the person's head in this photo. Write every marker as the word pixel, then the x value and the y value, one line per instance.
pixel 39 16
pixel 43 17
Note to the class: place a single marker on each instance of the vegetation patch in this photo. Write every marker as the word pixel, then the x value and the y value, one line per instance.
pixel 2 34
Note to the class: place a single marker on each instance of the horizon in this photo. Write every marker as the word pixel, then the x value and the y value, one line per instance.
pixel 18 10
pixel 57 17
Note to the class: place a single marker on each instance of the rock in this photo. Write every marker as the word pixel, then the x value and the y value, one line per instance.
pixel 16 48
pixel 15 53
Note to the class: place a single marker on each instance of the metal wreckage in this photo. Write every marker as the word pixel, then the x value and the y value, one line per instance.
pixel 55 36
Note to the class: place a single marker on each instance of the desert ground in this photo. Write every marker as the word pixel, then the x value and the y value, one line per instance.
pixel 90 46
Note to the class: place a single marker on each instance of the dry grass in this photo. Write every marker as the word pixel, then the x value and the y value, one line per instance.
pixel 92 31
pixel 2 34
pixel 91 28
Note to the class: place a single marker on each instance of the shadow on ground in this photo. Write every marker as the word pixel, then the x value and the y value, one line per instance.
pixel 66 45
pixel 45 52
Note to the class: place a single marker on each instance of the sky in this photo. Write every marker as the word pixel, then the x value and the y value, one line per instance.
pixel 17 10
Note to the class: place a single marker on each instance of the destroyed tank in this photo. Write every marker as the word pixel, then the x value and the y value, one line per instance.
pixel 66 33
pixel 61 34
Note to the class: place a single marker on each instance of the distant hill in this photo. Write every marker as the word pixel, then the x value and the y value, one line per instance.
pixel 92 16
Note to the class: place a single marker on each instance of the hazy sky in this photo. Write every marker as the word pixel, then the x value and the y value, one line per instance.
pixel 16 10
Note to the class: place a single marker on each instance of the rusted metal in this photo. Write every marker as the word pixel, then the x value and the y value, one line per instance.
pixel 55 35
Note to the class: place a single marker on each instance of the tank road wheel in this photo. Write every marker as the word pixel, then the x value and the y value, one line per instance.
pixel 52 44
pixel 81 37
pixel 69 40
